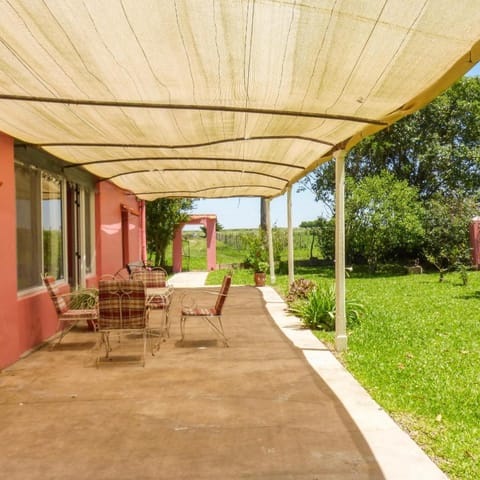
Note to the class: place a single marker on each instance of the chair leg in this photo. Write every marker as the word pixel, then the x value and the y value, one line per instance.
pixel 144 346
pixel 218 329
pixel 64 330
pixel 224 338
pixel 102 341
pixel 154 346
pixel 167 323
pixel 106 341
pixel 182 327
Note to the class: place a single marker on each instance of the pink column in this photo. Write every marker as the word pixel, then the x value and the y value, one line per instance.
pixel 177 250
pixel 475 241
pixel 211 244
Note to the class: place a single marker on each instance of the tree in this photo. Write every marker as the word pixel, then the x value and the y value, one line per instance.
pixel 383 218
pixel 323 231
pixel 163 217
pixel 218 228
pixel 437 149
pixel 447 243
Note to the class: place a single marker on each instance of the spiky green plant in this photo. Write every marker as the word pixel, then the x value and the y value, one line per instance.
pixel 318 310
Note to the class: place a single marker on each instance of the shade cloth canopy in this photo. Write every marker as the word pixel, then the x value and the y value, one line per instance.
pixel 219 98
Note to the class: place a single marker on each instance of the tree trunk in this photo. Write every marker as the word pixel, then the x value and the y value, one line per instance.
pixel 263 214
pixel 311 245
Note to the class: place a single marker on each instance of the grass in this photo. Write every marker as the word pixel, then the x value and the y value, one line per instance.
pixel 416 351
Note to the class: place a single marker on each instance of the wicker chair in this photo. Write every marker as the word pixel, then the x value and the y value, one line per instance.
pixel 212 315
pixel 122 310
pixel 72 307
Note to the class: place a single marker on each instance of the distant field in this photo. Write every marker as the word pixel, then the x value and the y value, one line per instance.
pixel 231 249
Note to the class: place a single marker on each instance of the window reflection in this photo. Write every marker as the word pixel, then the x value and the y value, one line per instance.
pixel 27 185
pixel 52 226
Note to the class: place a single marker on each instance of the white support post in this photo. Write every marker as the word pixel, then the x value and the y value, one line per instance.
pixel 291 267
pixel 270 242
pixel 340 317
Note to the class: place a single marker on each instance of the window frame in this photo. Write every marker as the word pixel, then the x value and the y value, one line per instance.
pixel 87 195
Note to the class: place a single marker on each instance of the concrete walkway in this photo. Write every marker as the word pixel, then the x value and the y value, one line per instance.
pixel 188 279
pixel 398 456
pixel 275 405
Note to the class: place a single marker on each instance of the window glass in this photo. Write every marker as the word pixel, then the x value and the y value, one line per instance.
pixel 27 184
pixel 52 226
pixel 89 231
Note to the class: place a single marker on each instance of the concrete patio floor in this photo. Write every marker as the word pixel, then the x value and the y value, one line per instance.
pixel 197 410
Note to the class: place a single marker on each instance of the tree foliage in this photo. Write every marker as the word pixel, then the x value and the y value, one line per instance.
pixel 218 228
pixel 383 217
pixel 436 150
pixel 447 244
pixel 163 217
pixel 322 231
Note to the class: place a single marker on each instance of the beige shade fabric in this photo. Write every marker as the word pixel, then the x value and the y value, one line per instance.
pixel 219 98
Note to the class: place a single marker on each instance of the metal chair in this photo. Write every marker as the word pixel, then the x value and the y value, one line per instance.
pixel 122 310
pixel 134 266
pixel 212 315
pixel 159 293
pixel 72 307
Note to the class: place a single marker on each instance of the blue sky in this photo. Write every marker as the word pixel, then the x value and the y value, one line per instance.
pixel 245 212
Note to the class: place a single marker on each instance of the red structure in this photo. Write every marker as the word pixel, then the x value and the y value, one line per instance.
pixel 475 241
pixel 210 223
pixel 63 222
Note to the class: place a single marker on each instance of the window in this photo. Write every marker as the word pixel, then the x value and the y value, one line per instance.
pixel 89 231
pixel 55 228
pixel 27 183
pixel 52 226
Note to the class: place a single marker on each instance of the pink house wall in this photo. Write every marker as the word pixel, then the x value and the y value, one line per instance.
pixel 9 341
pixel 109 239
pixel 28 320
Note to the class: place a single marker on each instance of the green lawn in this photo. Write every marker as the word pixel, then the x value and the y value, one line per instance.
pixel 418 354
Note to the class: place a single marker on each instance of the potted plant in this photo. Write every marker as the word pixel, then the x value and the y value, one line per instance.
pixel 260 273
pixel 257 254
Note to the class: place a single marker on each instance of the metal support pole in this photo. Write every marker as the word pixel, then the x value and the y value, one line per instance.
pixel 270 242
pixel 291 267
pixel 340 317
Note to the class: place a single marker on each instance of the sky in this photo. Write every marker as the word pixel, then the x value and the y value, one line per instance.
pixel 245 212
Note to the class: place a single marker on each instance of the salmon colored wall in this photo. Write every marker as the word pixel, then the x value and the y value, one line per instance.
pixel 28 320
pixel 134 228
pixel 37 319
pixel 9 341
pixel 109 227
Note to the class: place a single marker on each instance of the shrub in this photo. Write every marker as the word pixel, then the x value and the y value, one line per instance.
pixel 257 251
pixel 318 310
pixel 299 290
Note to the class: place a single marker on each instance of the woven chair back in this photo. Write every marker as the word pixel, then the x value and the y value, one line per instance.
pixel 222 295
pixel 155 278
pixel 122 304
pixel 59 302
